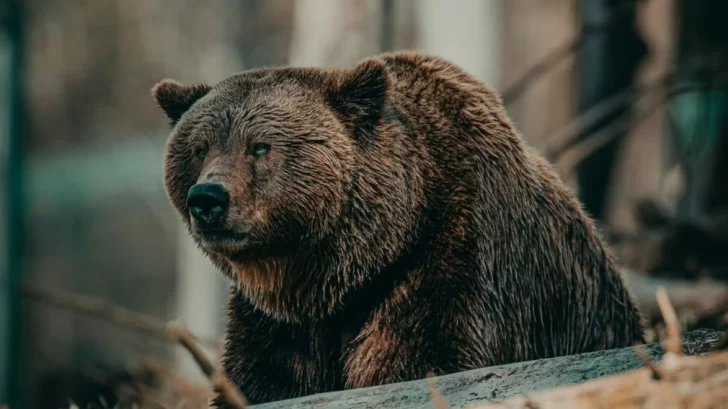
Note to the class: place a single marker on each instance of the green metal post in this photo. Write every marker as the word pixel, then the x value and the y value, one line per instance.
pixel 12 385
pixel 701 116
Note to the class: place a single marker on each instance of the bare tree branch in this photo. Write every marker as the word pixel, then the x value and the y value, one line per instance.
pixel 150 326
pixel 570 158
pixel 558 54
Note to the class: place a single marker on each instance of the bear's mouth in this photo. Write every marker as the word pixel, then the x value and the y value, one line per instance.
pixel 221 240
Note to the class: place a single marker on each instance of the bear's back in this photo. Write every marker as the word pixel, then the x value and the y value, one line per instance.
pixel 549 284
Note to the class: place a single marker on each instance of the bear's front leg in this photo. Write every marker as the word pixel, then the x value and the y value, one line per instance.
pixel 416 332
pixel 270 360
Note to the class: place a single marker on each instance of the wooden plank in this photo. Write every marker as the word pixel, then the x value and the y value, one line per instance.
pixel 496 383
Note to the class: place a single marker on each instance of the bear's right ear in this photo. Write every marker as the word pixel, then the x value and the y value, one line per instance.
pixel 175 98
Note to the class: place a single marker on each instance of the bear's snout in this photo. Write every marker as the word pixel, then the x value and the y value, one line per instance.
pixel 207 203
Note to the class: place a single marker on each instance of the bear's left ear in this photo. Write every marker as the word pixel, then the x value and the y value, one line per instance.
pixel 360 98
pixel 175 98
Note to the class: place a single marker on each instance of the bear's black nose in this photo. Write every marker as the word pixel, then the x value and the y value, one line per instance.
pixel 207 202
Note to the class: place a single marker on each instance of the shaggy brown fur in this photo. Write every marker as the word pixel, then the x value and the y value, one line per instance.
pixel 396 226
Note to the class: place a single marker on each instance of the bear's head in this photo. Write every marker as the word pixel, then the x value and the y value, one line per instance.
pixel 263 168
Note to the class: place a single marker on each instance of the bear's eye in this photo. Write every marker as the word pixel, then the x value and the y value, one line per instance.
pixel 259 149
pixel 201 153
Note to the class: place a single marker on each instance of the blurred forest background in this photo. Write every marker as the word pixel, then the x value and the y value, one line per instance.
pixel 627 98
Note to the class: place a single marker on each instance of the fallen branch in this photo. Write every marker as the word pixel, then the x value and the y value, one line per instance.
pixel 150 326
pixel 184 386
pixel 101 309
pixel 438 400
pixel 703 298
pixel 674 341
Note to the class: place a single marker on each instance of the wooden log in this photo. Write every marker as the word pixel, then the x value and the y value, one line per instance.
pixel 496 383
pixel 677 382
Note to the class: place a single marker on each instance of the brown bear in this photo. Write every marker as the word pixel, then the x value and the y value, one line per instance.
pixel 381 223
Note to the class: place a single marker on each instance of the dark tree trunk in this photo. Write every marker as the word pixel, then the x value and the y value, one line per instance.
pixel 607 61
